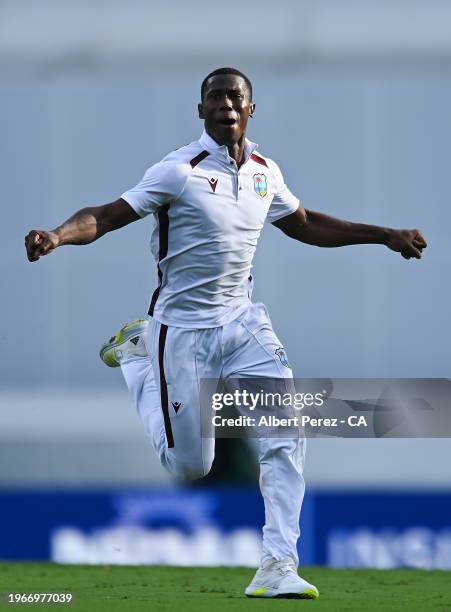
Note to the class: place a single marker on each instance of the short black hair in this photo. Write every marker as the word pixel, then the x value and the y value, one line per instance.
pixel 225 71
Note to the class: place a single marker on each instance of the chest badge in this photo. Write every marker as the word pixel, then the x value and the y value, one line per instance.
pixel 260 186
pixel 213 182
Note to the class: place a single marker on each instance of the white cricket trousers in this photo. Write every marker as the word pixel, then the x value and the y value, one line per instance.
pixel 166 386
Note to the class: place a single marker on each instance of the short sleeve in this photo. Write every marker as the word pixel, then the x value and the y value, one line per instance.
pixel 160 185
pixel 284 202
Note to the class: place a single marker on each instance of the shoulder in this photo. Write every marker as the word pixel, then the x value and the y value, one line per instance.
pixel 185 157
pixel 176 165
pixel 267 163
pixel 184 154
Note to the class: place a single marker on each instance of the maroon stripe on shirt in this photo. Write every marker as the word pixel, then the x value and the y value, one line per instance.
pixel 164 387
pixel 258 159
pixel 163 223
pixel 196 160
pixel 155 295
pixel 163 231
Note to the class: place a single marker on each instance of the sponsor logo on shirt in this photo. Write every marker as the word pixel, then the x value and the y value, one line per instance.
pixel 213 182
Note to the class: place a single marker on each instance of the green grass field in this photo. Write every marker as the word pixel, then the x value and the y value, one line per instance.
pixel 204 589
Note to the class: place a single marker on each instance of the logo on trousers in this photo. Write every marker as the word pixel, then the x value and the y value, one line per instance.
pixel 177 406
pixel 282 355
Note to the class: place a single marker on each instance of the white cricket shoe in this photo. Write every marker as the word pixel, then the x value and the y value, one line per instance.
pixel 280 579
pixel 130 341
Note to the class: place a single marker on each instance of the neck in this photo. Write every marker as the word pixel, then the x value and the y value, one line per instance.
pixel 235 149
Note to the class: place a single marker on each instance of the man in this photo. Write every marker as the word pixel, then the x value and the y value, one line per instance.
pixel 210 200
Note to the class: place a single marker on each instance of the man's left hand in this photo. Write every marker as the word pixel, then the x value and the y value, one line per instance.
pixel 410 243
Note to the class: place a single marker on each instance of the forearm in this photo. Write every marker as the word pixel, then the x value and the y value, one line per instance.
pixel 85 226
pixel 326 231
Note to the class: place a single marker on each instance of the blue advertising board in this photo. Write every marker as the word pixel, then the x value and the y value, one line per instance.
pixel 222 526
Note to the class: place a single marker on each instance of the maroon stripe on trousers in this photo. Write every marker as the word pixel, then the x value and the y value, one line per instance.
pixel 163 231
pixel 164 387
pixel 196 160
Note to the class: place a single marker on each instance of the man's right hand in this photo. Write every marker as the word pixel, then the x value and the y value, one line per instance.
pixel 85 226
pixel 39 243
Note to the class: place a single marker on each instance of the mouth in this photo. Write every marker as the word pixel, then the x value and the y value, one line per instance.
pixel 227 122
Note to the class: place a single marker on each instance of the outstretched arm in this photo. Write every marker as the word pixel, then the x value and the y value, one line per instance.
pixel 325 231
pixel 85 226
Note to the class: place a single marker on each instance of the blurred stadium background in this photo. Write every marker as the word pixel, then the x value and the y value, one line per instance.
pixel 353 101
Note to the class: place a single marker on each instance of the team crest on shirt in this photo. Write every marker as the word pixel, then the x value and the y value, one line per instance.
pixel 282 355
pixel 260 185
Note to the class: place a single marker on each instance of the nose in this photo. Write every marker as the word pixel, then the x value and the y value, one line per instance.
pixel 226 103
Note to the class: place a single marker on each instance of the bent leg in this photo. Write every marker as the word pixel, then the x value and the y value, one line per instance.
pixel 140 379
pixel 165 389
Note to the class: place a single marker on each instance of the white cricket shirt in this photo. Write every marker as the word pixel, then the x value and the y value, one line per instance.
pixel 208 218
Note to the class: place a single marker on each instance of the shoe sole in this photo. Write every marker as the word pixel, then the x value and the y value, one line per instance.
pixel 265 592
pixel 123 335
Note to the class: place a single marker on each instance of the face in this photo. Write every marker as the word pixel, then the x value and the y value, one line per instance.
pixel 226 108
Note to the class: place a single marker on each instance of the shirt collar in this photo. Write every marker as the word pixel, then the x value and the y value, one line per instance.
pixel 208 143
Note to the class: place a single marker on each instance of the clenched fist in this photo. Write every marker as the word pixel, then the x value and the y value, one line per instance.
pixel 410 243
pixel 39 243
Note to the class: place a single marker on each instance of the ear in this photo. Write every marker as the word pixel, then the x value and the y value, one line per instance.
pixel 252 110
pixel 200 110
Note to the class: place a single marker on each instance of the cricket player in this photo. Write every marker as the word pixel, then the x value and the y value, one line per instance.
pixel 209 200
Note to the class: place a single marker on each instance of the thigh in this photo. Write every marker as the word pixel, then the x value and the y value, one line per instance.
pixel 253 348
pixel 175 361
pixel 258 365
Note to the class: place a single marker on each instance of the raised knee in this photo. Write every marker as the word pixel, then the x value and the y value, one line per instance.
pixel 190 470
